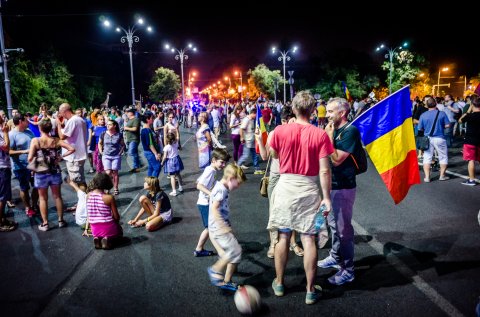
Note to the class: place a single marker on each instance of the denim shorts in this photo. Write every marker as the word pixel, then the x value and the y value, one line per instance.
pixel 25 178
pixel 46 180
pixel 204 213
pixel 5 184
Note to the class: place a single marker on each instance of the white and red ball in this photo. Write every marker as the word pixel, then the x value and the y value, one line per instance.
pixel 247 299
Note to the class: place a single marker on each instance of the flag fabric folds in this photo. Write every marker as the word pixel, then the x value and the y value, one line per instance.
pixel 387 133
pixel 347 92
pixel 477 90
pixel 262 128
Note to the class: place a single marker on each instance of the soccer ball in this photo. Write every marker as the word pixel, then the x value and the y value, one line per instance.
pixel 247 299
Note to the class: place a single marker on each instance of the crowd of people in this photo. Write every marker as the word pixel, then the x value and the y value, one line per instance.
pixel 308 140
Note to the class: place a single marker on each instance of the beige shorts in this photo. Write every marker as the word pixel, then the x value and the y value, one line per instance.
pixel 230 246
pixel 76 171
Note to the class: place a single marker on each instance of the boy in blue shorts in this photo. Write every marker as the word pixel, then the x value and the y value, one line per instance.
pixel 220 230
pixel 205 184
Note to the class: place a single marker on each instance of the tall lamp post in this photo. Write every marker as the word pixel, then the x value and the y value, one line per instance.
pixel 440 70
pixel 181 56
pixel 237 73
pixel 129 38
pixel 389 55
pixel 284 57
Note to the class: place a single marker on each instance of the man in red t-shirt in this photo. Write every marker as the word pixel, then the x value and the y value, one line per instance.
pixel 267 116
pixel 303 151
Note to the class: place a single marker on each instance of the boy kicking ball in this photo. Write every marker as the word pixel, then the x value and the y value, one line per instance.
pixel 220 230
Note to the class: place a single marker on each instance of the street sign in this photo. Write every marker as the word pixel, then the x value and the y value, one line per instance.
pixel 291 81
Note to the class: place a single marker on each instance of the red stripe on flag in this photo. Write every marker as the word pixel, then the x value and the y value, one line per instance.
pixel 400 178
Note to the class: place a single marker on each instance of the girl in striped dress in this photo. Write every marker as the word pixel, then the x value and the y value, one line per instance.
pixel 102 213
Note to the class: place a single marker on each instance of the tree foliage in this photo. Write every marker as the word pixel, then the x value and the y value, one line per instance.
pixel 165 85
pixel 262 80
pixel 49 81
pixel 405 68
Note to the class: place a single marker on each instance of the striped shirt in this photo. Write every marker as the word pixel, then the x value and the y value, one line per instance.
pixel 98 212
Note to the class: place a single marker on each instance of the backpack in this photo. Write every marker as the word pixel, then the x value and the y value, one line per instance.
pixel 359 159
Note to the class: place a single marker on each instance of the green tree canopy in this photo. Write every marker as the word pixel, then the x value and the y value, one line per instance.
pixel 405 68
pixel 264 79
pixel 165 85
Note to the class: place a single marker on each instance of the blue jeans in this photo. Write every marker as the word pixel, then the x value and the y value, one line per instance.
pixel 133 152
pixel 340 223
pixel 243 158
pixel 154 166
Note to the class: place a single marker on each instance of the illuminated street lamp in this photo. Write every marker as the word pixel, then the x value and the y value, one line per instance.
pixel 237 73
pixel 129 38
pixel 389 55
pixel 284 57
pixel 444 69
pixel 182 56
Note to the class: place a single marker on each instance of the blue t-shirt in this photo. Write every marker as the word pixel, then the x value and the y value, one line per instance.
pixel 426 123
pixel 97 132
pixel 20 141
pixel 147 137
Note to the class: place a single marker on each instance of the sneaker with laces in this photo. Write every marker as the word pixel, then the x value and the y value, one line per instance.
pixel 30 212
pixel 426 180
pixel 342 277
pixel 328 262
pixel 180 188
pixel 279 290
pixel 259 172
pixel 469 182
pixel 444 178
pixel 174 193
pixel 313 297
pixel 43 227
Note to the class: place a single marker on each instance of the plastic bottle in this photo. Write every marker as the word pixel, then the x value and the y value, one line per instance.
pixel 319 218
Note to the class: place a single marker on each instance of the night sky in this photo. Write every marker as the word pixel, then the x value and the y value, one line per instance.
pixel 236 34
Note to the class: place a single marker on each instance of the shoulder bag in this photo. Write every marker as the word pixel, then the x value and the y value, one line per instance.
pixel 423 142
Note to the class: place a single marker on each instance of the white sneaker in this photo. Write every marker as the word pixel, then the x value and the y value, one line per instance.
pixel 180 188
pixel 174 193
pixel 243 167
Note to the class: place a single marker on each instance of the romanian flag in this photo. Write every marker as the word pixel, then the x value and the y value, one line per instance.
pixel 477 90
pixel 387 133
pixel 261 127
pixel 347 93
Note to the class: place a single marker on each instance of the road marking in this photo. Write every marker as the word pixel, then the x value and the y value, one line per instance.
pixel 456 174
pixel 403 269
pixel 68 287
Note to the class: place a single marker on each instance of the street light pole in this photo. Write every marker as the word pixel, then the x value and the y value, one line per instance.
pixel 389 55
pixel 241 85
pixel 284 57
pixel 182 56
pixel 129 38
pixel 438 79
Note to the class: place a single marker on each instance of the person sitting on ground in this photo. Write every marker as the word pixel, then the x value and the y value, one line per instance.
pixel 103 213
pixel 81 218
pixel 205 184
pixel 156 204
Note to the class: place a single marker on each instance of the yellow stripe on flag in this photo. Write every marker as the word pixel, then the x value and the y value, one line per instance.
pixel 392 148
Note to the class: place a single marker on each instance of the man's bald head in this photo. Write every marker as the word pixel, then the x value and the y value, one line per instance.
pixel 65 110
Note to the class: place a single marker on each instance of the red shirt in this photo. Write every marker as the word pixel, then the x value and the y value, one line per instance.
pixel 300 148
pixel 266 115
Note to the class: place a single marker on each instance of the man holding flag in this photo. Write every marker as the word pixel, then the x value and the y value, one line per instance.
pixel 346 140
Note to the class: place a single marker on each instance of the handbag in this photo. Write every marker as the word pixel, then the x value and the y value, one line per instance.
pixel 264 181
pixel 423 142
pixel 39 164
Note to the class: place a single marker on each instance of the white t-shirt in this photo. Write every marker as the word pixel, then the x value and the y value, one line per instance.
pixel 219 193
pixel 207 179
pixel 216 118
pixel 248 126
pixel 76 131
pixel 233 121
pixel 171 150
pixel 81 211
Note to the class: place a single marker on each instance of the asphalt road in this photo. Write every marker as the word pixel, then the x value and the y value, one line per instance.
pixel 419 258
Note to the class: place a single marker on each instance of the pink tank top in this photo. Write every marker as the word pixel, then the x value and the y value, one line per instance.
pixel 97 211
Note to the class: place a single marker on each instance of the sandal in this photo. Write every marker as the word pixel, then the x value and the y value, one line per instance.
pixel 296 248
pixel 10 204
pixel 216 281
pixel 116 192
pixel 203 252
pixel 229 286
